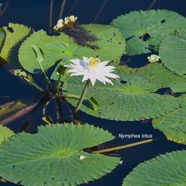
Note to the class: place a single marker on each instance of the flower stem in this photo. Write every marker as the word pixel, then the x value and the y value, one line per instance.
pixel 36 86
pixel 70 96
pixel 59 105
pixel 57 85
pixel 62 9
pixel 46 77
pixel 82 96
pixel 121 147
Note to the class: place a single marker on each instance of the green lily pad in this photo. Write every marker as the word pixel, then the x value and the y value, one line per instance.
pixel 155 76
pixel 131 97
pixel 2 36
pixel 110 42
pixel 55 156
pixel 145 30
pixel 167 169
pixel 15 34
pixel 173 125
pixel 53 47
pixel 5 133
pixel 172 53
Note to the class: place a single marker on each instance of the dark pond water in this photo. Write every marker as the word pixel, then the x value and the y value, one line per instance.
pixel 35 13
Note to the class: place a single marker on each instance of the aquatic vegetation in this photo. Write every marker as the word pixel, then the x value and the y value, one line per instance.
pixel 58 153
pixel 163 169
pixel 65 151
pixel 92 69
pixel 153 58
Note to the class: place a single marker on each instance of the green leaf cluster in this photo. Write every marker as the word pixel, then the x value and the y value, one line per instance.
pixel 60 154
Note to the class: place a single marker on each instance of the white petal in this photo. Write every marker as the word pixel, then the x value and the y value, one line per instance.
pixel 108 81
pixel 111 75
pixel 85 77
pixel 110 67
pixel 107 68
pixel 71 66
pixel 104 63
pixel 75 61
pixel 104 79
pixel 93 80
pixel 86 59
pixel 77 69
pixel 78 74
pixel 101 79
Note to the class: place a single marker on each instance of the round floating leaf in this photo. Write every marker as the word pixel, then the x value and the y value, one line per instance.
pixel 53 47
pixel 172 52
pixel 15 34
pixel 158 76
pixel 167 169
pixel 133 97
pixel 144 30
pixel 55 156
pixel 110 42
pixel 173 125
pixel 5 133
pixel 2 36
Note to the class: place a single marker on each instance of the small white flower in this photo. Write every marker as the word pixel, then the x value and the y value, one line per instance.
pixel 68 21
pixel 72 19
pixel 121 162
pixel 82 157
pixel 93 69
pixel 60 24
pixel 153 58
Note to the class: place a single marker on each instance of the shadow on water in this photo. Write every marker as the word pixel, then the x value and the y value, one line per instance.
pixel 35 13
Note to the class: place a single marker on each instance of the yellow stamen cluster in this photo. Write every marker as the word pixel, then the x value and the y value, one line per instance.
pixel 93 62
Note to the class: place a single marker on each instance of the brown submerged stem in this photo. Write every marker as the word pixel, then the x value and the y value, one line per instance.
pixel 51 14
pixel 121 147
pixel 4 9
pixel 100 10
pixel 152 4
pixel 62 9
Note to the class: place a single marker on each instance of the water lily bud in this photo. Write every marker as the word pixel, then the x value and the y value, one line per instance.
pixel 153 58
pixel 82 157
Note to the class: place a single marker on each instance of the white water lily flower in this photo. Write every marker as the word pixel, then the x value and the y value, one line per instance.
pixel 93 69
pixel 153 58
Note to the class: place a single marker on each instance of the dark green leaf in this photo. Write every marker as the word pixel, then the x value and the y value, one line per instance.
pixel 132 96
pixel 172 53
pixel 15 34
pixel 173 125
pixel 145 30
pixel 165 170
pixel 55 156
